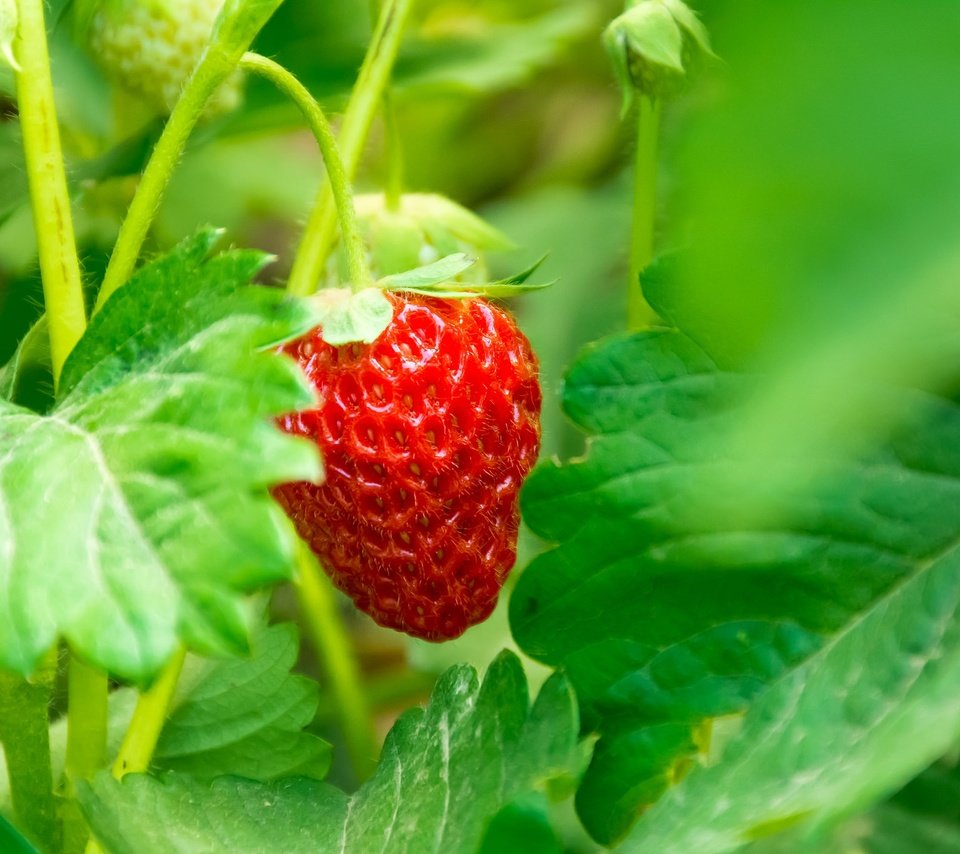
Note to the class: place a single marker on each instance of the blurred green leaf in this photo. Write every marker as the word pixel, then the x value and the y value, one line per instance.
pixel 829 619
pixel 820 176
pixel 11 840
pixel 137 512
pixel 445 772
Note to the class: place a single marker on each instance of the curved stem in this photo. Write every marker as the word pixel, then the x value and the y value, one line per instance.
pixel 374 74
pixel 639 313
pixel 148 719
pixel 332 646
pixel 49 197
pixel 235 30
pixel 166 155
pixel 336 174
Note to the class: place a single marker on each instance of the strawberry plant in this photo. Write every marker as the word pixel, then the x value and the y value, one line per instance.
pixel 279 567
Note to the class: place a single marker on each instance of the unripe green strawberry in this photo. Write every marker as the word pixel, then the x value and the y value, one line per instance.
pixel 150 48
pixel 427 434
pixel 425 227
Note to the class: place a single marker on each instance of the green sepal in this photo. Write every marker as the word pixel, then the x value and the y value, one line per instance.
pixel 434 280
pixel 347 317
pixel 439 272
pixel 8 32
pixel 653 45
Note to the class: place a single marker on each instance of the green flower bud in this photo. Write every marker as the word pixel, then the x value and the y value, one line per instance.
pixel 653 45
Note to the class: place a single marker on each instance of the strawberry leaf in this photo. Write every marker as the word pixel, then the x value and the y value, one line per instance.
pixel 445 772
pixel 439 272
pixel 436 280
pixel 229 716
pixel 828 619
pixel 134 514
pixel 346 317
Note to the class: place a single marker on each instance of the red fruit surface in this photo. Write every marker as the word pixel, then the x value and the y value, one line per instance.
pixel 426 435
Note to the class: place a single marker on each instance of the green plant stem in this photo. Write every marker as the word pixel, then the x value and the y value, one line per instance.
pixel 395 162
pixel 87 724
pixel 211 72
pixel 142 735
pixel 46 176
pixel 329 637
pixel 336 174
pixel 25 734
pixel 319 235
pixel 147 722
pixel 639 313
pixel 87 689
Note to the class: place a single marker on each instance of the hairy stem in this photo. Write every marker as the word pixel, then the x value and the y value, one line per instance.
pixel 336 174
pixel 319 235
pixel 46 176
pixel 166 155
pixel 639 313
pixel 325 627
pixel 237 26
pixel 151 711
pixel 25 734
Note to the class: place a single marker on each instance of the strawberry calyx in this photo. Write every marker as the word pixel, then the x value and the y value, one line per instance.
pixel 348 316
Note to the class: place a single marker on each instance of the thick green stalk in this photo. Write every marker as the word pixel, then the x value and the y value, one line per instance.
pixel 87 689
pixel 639 313
pixel 320 233
pixel 336 174
pixel 25 734
pixel 49 197
pixel 325 627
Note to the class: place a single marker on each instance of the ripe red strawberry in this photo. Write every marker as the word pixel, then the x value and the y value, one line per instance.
pixel 427 434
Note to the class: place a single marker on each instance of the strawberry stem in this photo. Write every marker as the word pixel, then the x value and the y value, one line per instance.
pixel 639 313
pixel 336 174
pixel 25 737
pixel 236 29
pixel 86 740
pixel 330 642
pixel 49 197
pixel 319 235
pixel 142 735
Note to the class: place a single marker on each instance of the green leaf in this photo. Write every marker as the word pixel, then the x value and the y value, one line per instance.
pixel 33 348
pixel 445 772
pixel 523 825
pixel 500 55
pixel 695 581
pixel 136 512
pixel 439 272
pixel 346 317
pixel 11 841
pixel 229 716
pixel 245 716
pixel 436 280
